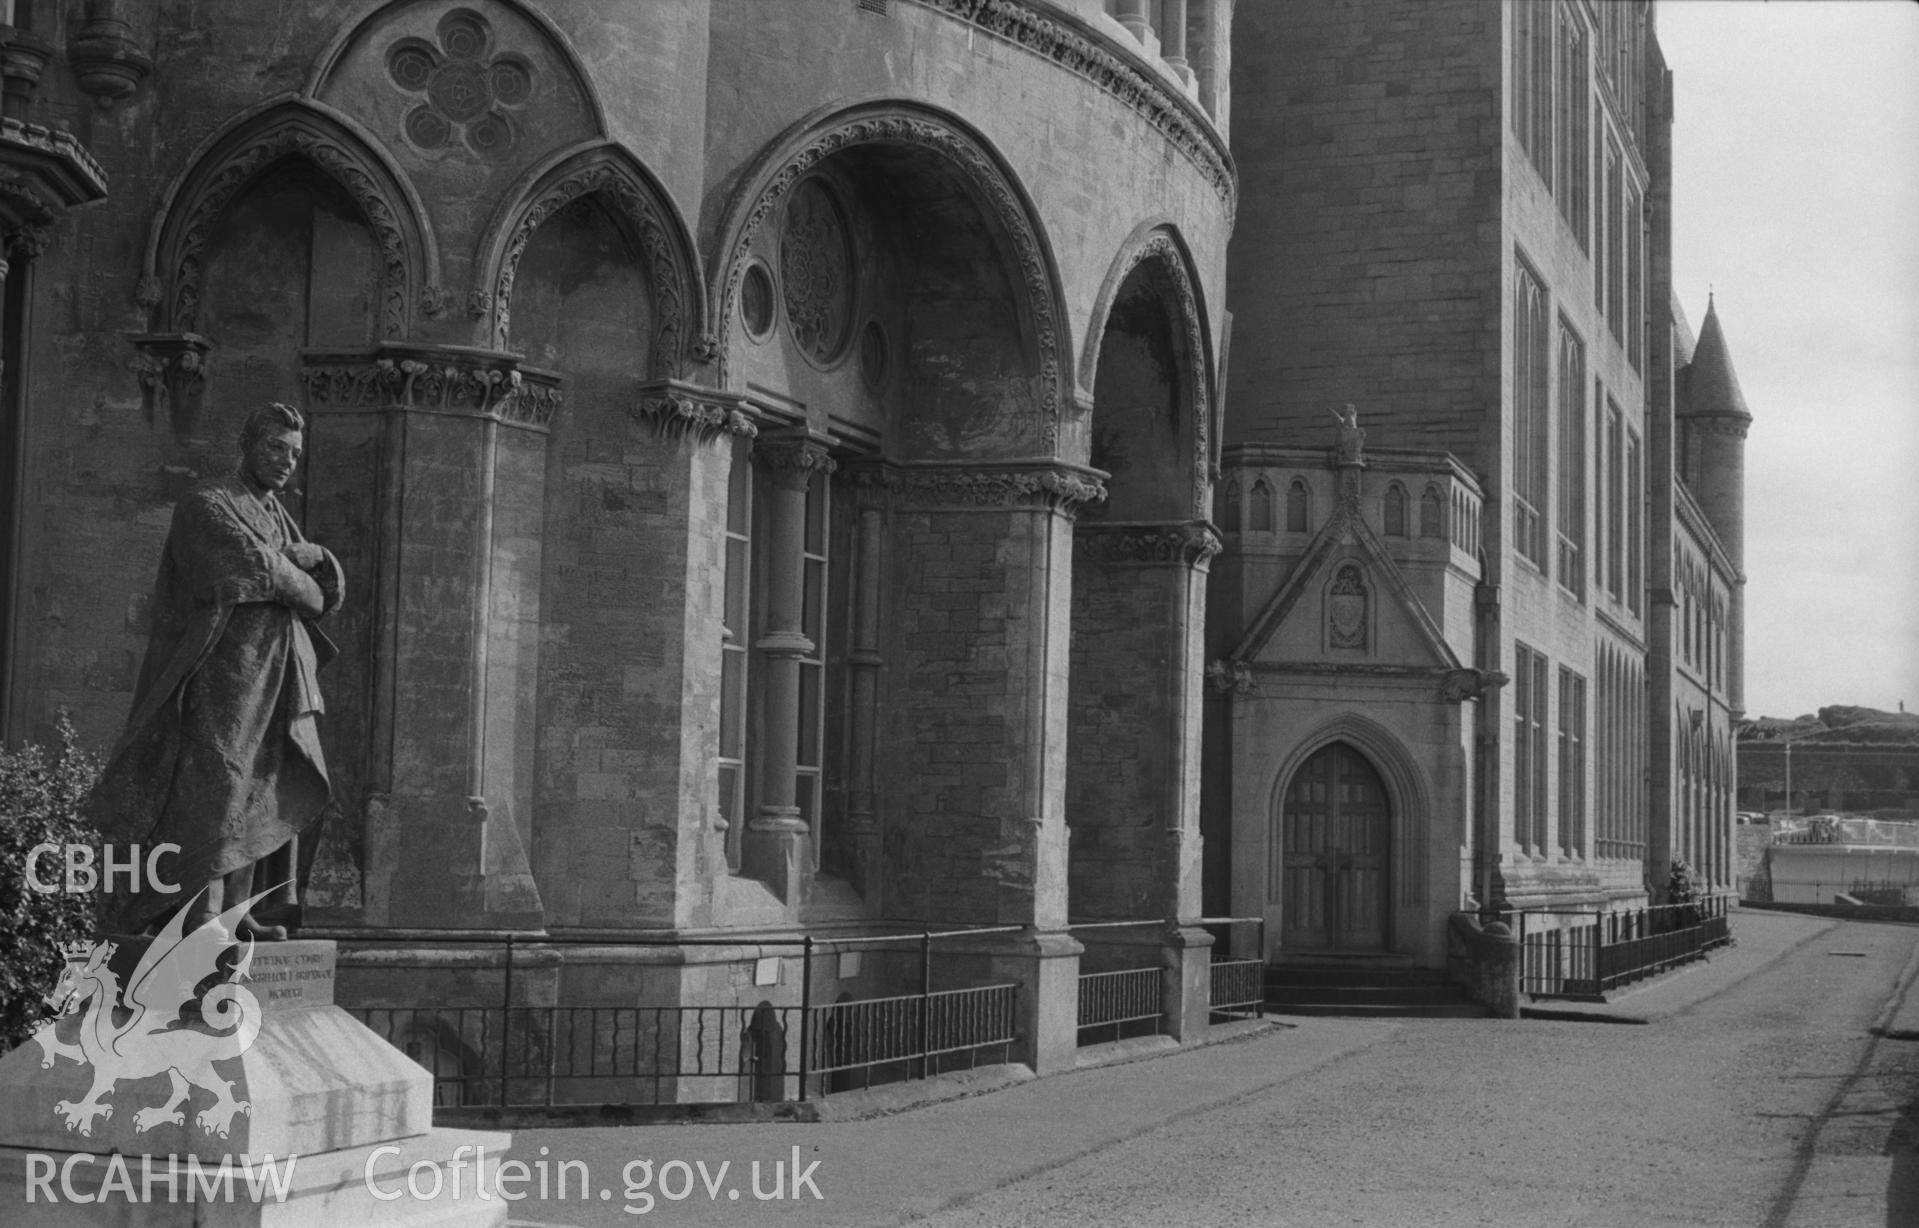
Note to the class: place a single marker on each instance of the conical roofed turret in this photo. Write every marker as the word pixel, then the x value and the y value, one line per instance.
pixel 1708 384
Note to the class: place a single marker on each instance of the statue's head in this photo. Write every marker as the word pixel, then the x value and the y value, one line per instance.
pixel 271 442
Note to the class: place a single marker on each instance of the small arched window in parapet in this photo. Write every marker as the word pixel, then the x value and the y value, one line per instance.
pixel 1299 508
pixel 1259 513
pixel 1346 608
pixel 1229 506
pixel 1432 514
pixel 1395 510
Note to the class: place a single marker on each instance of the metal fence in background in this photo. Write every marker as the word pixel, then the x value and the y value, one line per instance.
pixel 1600 952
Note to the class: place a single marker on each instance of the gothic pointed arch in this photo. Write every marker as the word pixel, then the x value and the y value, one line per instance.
pixel 1407 790
pixel 655 227
pixel 237 156
pixel 1160 244
pixel 986 176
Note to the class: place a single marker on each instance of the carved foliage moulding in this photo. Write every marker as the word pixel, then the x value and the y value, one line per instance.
pixel 1049 486
pixel 499 390
pixel 979 169
pixel 665 270
pixel 184 262
pixel 683 414
pixel 1187 544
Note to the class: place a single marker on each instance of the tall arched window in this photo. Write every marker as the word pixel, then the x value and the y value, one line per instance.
pixel 1395 516
pixel 1432 513
pixel 1299 508
pixel 1229 506
pixel 1260 514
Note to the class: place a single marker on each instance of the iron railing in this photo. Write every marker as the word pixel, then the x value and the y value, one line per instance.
pixel 543 1056
pixel 1601 952
pixel 888 1039
pixel 1130 1003
pixel 1236 987
pixel 521 1056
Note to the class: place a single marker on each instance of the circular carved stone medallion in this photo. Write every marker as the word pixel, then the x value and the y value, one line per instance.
pixel 411 64
pixel 464 35
pixel 815 272
pixel 461 90
pixel 427 128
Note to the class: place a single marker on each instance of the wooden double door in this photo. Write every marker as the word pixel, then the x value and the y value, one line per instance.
pixel 1332 846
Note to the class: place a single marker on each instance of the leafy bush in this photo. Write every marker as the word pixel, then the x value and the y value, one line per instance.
pixel 40 796
pixel 1682 888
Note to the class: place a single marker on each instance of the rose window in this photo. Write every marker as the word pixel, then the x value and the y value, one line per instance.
pixel 468 93
pixel 816 272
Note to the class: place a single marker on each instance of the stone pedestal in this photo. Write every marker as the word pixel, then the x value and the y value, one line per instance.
pixel 96 1113
pixel 1189 982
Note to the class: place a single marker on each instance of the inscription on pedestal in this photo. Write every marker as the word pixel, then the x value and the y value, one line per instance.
pixel 292 974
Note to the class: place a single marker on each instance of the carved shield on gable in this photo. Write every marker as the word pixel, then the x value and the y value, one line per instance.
pixel 1346 610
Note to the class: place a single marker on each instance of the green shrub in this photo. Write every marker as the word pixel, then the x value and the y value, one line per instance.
pixel 40 795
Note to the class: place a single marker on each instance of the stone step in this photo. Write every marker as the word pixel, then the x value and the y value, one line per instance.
pixel 1365 995
pixel 1430 1010
pixel 1293 975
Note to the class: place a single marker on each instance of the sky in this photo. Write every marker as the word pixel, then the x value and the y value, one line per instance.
pixel 1796 202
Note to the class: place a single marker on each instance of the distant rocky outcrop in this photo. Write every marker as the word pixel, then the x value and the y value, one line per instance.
pixel 1844 757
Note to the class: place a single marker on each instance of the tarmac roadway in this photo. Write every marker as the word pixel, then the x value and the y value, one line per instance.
pixel 1773 1086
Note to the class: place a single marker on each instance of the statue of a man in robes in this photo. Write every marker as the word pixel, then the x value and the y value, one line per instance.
pixel 1350 446
pixel 221 753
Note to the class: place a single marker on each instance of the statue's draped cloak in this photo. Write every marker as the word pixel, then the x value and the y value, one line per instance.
pixel 221 754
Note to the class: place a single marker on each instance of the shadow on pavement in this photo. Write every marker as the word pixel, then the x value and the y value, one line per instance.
pixel 1902 1185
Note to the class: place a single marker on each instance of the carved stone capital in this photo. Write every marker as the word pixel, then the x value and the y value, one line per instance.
pixel 1231 678
pixel 793 459
pixel 172 372
pixel 1046 484
pixel 1187 545
pixel 437 379
pixel 680 411
pixel 43 172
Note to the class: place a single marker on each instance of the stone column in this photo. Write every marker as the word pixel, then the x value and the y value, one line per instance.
pixel 863 663
pixel 1134 794
pixel 426 472
pixel 971 753
pixel 1133 14
pixel 1172 37
pixel 773 848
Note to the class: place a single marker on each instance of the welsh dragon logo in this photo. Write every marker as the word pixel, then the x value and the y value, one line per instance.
pixel 160 1021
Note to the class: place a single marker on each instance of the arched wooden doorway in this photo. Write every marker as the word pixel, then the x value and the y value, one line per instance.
pixel 1332 858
